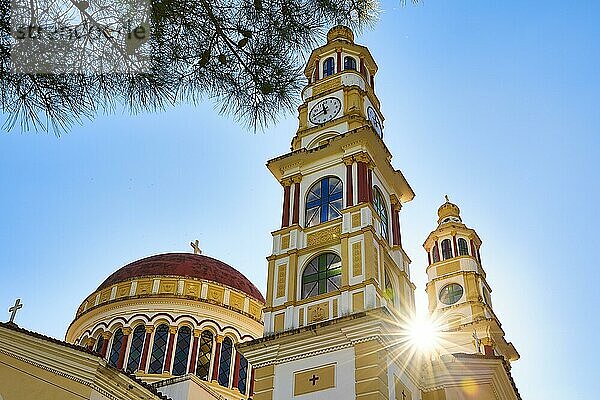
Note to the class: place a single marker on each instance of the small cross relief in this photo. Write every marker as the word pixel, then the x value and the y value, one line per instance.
pixel 314 379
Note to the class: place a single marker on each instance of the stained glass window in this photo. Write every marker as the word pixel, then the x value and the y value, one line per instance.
pixel 324 201
pixel 116 347
pixel 225 362
pixel 99 343
pixel 323 274
pixel 328 67
pixel 463 249
pixel 182 349
pixel 136 348
pixel 159 348
pixel 451 293
pixel 204 355
pixel 446 249
pixel 381 209
pixel 243 374
pixel 350 63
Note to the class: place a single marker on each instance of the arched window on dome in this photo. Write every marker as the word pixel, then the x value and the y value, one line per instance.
pixel 350 63
pixel 136 348
pixel 463 249
pixel 115 350
pixel 99 344
pixel 324 201
pixel 159 348
pixel 381 209
pixel 436 253
pixel 204 355
pixel 225 362
pixel 446 249
pixel 182 349
pixel 328 67
pixel 323 274
pixel 242 376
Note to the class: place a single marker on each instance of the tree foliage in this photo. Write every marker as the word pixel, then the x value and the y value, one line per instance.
pixel 62 61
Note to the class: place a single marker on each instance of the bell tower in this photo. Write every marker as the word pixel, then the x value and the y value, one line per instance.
pixel 458 292
pixel 338 250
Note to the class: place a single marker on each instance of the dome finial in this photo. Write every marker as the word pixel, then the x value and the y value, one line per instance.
pixel 447 199
pixel 196 247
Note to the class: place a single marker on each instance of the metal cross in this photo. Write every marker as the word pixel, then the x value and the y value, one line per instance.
pixel 13 310
pixel 403 395
pixel 314 379
pixel 196 247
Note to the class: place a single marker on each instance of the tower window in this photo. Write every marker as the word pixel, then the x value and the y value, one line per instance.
pixel 204 355
pixel 446 249
pixel 116 347
pixel 451 293
pixel 381 209
pixel 324 201
pixel 182 349
pixel 135 350
pixel 436 253
pixel 350 63
pixel 328 67
pixel 225 362
pixel 242 375
pixel 323 274
pixel 463 249
pixel 159 348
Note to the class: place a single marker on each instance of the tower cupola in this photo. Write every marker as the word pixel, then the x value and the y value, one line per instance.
pixel 448 212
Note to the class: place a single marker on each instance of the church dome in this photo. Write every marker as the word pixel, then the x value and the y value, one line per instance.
pixel 448 212
pixel 187 266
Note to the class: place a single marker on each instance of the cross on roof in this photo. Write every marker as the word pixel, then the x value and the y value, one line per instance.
pixel 13 310
pixel 196 247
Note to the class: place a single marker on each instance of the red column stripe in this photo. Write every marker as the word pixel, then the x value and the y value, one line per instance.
pixel 472 248
pixel 142 366
pixel 121 359
pixel 363 196
pixel 339 60
pixel 236 371
pixel 252 383
pixel 296 206
pixel 104 347
pixel 215 374
pixel 193 357
pixel 455 247
pixel 167 367
pixel 317 66
pixel 285 217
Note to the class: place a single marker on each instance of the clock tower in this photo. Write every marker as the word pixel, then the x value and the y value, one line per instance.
pixel 338 278
pixel 458 292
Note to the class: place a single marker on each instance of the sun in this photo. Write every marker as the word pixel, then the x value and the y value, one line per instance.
pixel 424 333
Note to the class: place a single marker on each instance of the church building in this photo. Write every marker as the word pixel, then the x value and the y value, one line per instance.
pixel 338 318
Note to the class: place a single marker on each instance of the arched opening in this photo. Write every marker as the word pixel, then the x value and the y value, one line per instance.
pixel 225 362
pixel 446 249
pixel 389 288
pixel 328 67
pixel 324 201
pixel 136 348
pixel 323 274
pixel 436 253
pixel 182 349
pixel 99 344
pixel 381 210
pixel 159 348
pixel 204 355
pixel 243 374
pixel 463 249
pixel 115 350
pixel 350 63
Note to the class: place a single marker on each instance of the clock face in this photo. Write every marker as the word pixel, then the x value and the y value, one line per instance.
pixel 375 120
pixel 325 110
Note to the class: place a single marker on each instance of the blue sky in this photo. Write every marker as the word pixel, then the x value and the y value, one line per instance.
pixel 492 103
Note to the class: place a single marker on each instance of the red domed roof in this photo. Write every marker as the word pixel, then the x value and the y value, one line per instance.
pixel 185 265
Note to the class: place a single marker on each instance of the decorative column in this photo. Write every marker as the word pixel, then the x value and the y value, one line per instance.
pixel 124 342
pixel 285 216
pixel 194 357
pixel 317 65
pixel 428 258
pixel 296 204
pixel 349 161
pixel 149 330
pixel 252 383
pixel 396 237
pixel 215 374
pixel 473 253
pixel 172 332
pixel 236 370
pixel 454 246
pixel 339 60
pixel 363 70
pixel 106 336
pixel 362 162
